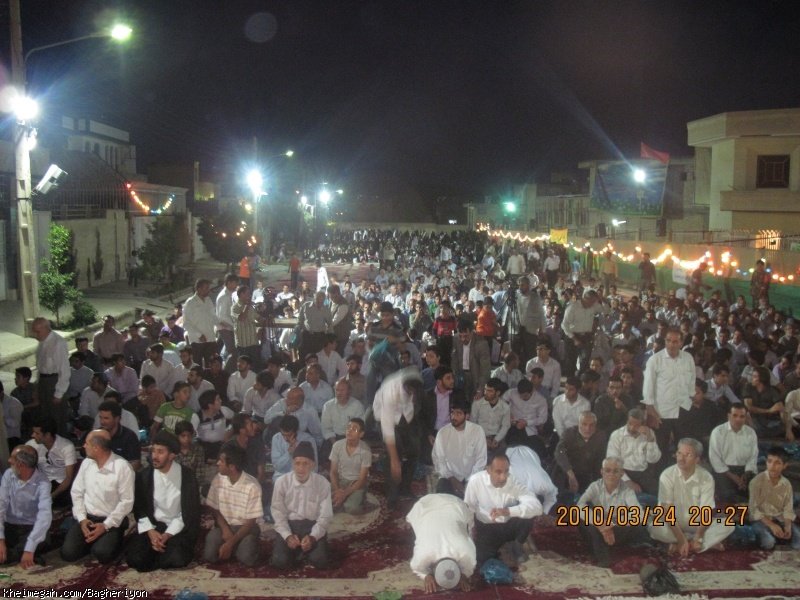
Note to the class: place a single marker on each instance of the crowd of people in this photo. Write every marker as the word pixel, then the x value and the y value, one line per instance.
pixel 506 380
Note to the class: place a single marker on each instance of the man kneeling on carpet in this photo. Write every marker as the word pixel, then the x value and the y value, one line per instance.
pixel 302 509
pixel 686 492
pixel 167 506
pixel 25 508
pixel 610 497
pixel 235 498
pixel 503 508
pixel 102 497
pixel 444 553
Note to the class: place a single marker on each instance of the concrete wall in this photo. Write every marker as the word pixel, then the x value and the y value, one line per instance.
pixel 113 232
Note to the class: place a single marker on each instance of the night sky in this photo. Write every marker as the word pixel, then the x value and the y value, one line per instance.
pixel 469 97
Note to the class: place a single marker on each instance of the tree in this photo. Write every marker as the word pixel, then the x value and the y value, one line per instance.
pixel 223 237
pixel 160 251
pixel 58 280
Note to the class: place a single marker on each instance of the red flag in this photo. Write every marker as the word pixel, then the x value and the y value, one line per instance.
pixel 648 152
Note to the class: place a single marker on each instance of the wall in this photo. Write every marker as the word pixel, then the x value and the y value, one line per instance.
pixel 113 246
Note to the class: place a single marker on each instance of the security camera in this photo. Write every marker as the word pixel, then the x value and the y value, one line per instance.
pixel 50 181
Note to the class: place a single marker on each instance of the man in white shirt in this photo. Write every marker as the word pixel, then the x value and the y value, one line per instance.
pixel 102 497
pixel 733 453
pixel 261 397
pixel 668 388
pixel 442 525
pixel 503 508
pixel 330 361
pixel 167 509
pixel 528 410
pixel 635 446
pixel 493 416
pixel 159 369
pixel 197 385
pixel 394 409
pixel 57 459
pixel 686 490
pixel 526 469
pixel 317 392
pixel 302 509
pixel 578 326
pixel 52 362
pixel 567 407
pixel 240 381
pixel 551 381
pixel 611 498
pixel 199 323
pixel 459 450
pixel 222 309
pixel 336 414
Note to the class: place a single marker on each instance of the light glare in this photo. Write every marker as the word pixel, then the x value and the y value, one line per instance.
pixel 121 32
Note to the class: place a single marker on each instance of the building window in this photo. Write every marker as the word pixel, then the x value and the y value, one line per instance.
pixel 773 171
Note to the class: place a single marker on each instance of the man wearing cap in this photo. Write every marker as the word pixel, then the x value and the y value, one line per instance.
pixel 444 553
pixel 167 507
pixel 25 508
pixel 302 509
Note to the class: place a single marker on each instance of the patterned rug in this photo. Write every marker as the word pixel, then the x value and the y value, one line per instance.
pixel 371 554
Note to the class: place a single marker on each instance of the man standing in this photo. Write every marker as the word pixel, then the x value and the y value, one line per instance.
pixel 504 510
pixel 314 321
pixel 245 326
pixel 733 454
pixel 167 506
pixel 302 509
pixel 759 283
pixel 459 451
pixel 294 271
pixel 471 361
pixel 222 308
pixel 341 318
pixel 687 489
pixel 578 327
pixel 668 388
pixel 235 498
pixel 102 497
pixel 25 511
pixel 532 321
pixel 442 525
pixel 52 361
pixel 647 273
pixel 199 321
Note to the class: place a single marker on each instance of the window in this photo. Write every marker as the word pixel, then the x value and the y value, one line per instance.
pixel 773 171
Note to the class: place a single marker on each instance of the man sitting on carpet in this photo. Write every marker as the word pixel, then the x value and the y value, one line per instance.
pixel 504 510
pixel 302 510
pixel 167 506
pixel 459 450
pixel 25 509
pixel 733 453
pixel 687 488
pixel 771 508
pixel 635 445
pixel 444 553
pixel 606 495
pixel 235 498
pixel 102 497
pixel 351 459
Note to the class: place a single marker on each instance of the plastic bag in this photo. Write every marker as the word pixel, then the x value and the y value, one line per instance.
pixel 658 580
pixel 496 571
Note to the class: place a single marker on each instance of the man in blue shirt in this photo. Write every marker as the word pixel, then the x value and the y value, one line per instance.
pixel 25 509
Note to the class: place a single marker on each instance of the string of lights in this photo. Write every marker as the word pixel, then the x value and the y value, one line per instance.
pixel 728 266
pixel 146 207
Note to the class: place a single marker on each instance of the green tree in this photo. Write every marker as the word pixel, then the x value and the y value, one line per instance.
pixel 57 282
pixel 222 237
pixel 160 251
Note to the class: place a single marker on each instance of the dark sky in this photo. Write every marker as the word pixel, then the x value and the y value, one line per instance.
pixel 471 96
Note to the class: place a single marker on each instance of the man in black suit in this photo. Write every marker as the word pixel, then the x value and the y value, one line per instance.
pixel 171 489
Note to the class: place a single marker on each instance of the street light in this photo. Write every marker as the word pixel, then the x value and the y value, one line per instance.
pixel 24 138
pixel 256 184
pixel 639 175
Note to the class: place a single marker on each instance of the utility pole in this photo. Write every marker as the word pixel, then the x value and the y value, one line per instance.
pixel 28 268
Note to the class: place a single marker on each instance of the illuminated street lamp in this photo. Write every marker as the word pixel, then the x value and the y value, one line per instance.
pixel 324 196
pixel 24 137
pixel 256 184
pixel 639 175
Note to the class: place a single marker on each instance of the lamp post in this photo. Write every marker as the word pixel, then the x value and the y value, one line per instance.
pixel 256 184
pixel 24 135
